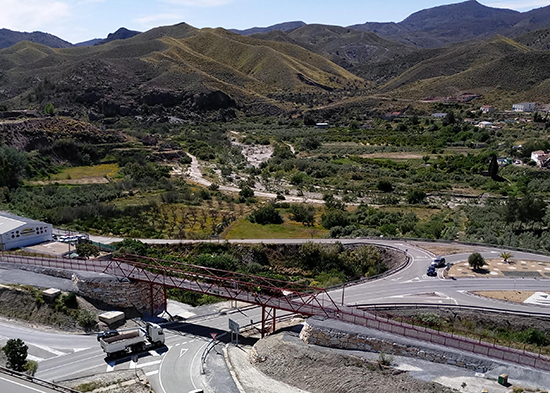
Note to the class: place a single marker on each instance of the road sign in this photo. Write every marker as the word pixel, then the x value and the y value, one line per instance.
pixel 233 326
pixel 213 335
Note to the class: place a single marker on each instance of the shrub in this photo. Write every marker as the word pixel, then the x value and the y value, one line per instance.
pixel 87 319
pixel 476 261
pixel 31 366
pixel 384 186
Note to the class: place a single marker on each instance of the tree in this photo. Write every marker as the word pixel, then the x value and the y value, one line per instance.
pixel 311 143
pixel 476 261
pixel 246 192
pixel 16 352
pixel 266 215
pixel 505 256
pixel 13 165
pixel 384 186
pixel 493 168
pixel 426 159
pixel 333 203
pixel 87 250
pixel 303 213
pixel 49 109
pixel 416 196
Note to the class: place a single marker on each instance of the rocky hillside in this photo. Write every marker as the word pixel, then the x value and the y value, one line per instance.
pixel 174 66
pixel 9 38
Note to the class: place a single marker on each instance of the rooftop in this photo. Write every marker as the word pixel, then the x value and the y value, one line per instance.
pixel 9 222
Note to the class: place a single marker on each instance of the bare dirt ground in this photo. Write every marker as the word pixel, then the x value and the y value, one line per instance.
pixel 87 180
pixel 318 370
pixel 133 381
pixel 498 268
pixel 439 250
pixel 509 296
pixel 394 155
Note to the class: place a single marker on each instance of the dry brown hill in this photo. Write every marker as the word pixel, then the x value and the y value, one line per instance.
pixel 174 64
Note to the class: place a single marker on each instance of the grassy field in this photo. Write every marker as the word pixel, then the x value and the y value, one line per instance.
pixel 85 172
pixel 244 229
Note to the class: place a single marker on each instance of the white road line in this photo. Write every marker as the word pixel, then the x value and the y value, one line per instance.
pixel 149 364
pixel 75 350
pixel 110 367
pixel 20 384
pixel 151 373
pixel 35 358
pixel 74 362
pixel 183 351
pixel 48 349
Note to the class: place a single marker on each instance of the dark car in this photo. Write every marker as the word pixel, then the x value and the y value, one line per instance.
pixel 431 271
pixel 107 334
pixel 439 262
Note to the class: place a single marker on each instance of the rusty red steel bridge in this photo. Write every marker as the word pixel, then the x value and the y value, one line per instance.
pixel 270 295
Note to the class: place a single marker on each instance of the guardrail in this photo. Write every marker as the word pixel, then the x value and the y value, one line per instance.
pixel 450 242
pixel 455 306
pixel 37 381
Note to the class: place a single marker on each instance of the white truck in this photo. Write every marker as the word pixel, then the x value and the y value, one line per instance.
pixel 119 343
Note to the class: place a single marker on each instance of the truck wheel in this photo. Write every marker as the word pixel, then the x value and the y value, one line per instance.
pixel 137 348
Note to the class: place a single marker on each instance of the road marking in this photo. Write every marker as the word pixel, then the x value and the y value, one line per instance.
pixel 182 351
pixel 48 349
pixel 110 367
pixel 133 365
pixel 75 350
pixel 74 362
pixel 35 358
pixel 153 353
pixel 20 384
pixel 155 372
pixel 149 364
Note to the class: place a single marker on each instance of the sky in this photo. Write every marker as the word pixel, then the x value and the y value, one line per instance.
pixel 81 20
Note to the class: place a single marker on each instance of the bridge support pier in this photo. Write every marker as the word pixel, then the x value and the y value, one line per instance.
pixel 158 299
pixel 268 320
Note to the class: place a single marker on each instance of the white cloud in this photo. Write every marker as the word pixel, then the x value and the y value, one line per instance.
pixel 517 5
pixel 158 18
pixel 199 3
pixel 31 15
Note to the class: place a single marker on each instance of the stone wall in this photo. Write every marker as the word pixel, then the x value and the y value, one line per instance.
pixel 120 294
pixel 336 334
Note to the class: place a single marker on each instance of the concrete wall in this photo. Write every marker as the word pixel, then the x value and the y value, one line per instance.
pixel 336 334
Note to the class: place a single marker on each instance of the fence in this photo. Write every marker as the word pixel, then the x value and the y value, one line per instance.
pixel 492 350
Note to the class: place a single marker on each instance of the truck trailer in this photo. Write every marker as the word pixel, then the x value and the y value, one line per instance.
pixel 130 341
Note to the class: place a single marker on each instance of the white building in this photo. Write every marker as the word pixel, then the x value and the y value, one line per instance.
pixel 16 232
pixel 487 109
pixel 524 107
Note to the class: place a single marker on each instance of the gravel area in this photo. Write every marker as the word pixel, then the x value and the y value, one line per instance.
pixel 509 296
pixel 319 370
pixel 113 382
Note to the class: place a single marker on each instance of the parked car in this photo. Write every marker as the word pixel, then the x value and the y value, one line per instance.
pixel 439 262
pixel 431 271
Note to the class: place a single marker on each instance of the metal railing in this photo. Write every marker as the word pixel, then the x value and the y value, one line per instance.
pixel 37 381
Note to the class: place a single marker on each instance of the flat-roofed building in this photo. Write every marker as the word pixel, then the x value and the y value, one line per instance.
pixel 17 232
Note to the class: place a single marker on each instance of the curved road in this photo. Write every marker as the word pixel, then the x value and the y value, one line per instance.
pixel 62 356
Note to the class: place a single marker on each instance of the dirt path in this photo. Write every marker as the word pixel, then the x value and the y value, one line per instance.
pixel 194 173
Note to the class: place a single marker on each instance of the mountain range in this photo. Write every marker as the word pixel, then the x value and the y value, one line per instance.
pixel 181 70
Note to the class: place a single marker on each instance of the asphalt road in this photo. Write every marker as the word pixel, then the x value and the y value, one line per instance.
pixel 10 384
pixel 176 367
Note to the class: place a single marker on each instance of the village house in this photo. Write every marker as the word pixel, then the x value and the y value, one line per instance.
pixel 487 109
pixel 541 158
pixel 524 107
pixel 439 115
